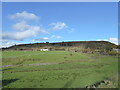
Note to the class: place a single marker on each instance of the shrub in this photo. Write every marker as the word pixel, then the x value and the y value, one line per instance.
pixel 112 52
pixel 88 50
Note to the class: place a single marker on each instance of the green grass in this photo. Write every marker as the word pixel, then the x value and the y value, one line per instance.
pixel 71 71
pixel 22 57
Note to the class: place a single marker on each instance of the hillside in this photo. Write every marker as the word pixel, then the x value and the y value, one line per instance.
pixel 69 46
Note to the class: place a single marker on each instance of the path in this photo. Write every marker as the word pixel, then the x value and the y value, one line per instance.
pixel 29 64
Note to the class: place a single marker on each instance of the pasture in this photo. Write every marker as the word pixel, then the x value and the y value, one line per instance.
pixel 57 69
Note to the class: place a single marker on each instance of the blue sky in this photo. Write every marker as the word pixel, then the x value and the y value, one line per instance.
pixel 26 22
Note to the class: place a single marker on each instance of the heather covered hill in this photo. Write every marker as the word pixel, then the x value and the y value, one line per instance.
pixel 73 45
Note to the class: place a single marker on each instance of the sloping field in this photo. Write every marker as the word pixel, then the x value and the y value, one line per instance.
pixel 57 69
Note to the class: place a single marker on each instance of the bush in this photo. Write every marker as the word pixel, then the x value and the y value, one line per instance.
pixel 88 50
pixel 112 52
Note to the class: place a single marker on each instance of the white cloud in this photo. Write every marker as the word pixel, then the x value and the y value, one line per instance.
pixel 3 40
pixel 61 25
pixel 6 43
pixel 24 16
pixel 23 31
pixel 71 30
pixel 102 40
pixel 21 26
pixel 44 39
pixel 33 40
pixel 54 36
pixel 41 39
pixel 58 25
pixel 111 39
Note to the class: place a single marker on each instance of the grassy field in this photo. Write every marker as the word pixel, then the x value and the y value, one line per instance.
pixel 57 69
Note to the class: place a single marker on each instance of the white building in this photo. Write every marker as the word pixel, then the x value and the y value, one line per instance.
pixel 44 49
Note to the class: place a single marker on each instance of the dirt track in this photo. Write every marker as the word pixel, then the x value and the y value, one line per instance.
pixel 29 64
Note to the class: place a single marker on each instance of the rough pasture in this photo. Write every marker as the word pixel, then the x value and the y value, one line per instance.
pixel 70 69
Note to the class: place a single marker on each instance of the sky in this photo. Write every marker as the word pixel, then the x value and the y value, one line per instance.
pixel 36 22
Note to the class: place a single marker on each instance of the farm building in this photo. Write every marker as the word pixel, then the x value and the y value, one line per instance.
pixel 45 49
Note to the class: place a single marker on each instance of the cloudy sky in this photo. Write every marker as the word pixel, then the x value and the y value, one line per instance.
pixel 26 22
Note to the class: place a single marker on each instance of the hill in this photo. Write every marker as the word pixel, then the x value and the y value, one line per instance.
pixel 76 46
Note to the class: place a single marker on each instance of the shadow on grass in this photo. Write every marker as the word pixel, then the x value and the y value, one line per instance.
pixel 6 82
pixel 6 69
